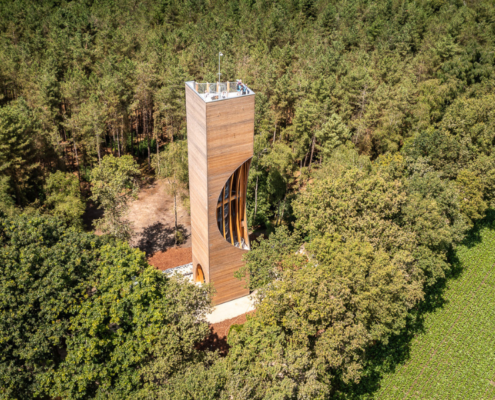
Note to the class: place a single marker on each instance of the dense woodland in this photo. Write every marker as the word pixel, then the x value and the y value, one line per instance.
pixel 374 156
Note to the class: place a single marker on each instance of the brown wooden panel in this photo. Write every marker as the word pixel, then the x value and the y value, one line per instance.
pixel 230 130
pixel 198 177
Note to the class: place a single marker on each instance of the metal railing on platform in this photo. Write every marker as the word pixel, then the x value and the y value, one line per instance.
pixel 215 87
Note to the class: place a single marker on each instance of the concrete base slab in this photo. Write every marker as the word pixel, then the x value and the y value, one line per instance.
pixel 221 312
pixel 231 309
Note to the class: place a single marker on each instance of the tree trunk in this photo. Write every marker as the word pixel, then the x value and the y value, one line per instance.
pixel 118 142
pixel 305 158
pixel 66 161
pixel 122 139
pixel 97 135
pixel 65 134
pixel 278 213
pixel 300 173
pixel 256 198
pixel 283 208
pixel 157 154
pixel 17 191
pixel 312 150
pixel 148 137
pixel 77 160
pixel 113 140
pixel 175 210
pixel 172 131
pixel 132 141
pixel 98 149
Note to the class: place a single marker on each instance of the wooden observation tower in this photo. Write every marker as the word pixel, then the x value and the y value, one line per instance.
pixel 220 133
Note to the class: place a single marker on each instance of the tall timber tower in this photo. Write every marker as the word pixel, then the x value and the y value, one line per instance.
pixel 220 132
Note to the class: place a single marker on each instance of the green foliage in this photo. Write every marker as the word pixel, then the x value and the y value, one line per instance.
pixel 484 169
pixel 130 317
pixel 471 195
pixel 260 199
pixel 314 324
pixel 172 163
pixel 462 150
pixel 44 278
pixel 86 317
pixel 114 185
pixel 403 208
pixel 268 258
pixel 406 84
pixel 87 124
pixel 436 149
pixel 354 204
pixel 376 236
pixel 378 74
pixel 64 198
pixel 16 151
pixel 332 134
pixel 204 380
pixel 472 123
pixel 141 148
pixel 434 214
pixel 6 200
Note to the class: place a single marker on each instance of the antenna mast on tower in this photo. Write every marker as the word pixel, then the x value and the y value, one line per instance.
pixel 219 74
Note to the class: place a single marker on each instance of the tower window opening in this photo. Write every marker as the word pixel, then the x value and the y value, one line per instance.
pixel 231 208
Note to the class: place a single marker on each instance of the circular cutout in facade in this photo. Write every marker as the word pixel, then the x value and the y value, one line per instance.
pixel 231 208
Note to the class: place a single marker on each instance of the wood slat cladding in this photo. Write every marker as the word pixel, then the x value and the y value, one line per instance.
pixel 198 179
pixel 230 127
pixel 220 140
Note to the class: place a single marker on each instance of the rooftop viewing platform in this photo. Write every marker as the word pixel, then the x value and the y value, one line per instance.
pixel 220 90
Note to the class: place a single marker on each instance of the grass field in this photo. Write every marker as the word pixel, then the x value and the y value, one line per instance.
pixel 448 350
pixel 453 356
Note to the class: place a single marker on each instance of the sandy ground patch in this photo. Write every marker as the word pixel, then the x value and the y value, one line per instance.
pixel 152 216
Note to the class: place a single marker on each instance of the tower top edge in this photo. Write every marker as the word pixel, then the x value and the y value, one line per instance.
pixel 218 91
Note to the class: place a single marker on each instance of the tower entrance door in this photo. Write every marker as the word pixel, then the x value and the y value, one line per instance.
pixel 200 276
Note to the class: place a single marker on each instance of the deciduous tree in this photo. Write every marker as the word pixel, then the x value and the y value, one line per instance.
pixel 114 185
pixel 64 198
pixel 85 316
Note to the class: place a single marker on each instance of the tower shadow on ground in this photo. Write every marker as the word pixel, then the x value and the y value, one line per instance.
pixel 158 237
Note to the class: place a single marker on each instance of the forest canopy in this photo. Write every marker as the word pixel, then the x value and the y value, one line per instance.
pixel 82 79
pixel 373 156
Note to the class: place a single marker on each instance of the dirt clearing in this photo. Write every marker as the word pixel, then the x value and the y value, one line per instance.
pixel 152 216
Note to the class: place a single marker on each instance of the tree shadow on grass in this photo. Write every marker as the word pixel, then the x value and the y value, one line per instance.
pixel 387 358
pixel 158 237
pixel 473 237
